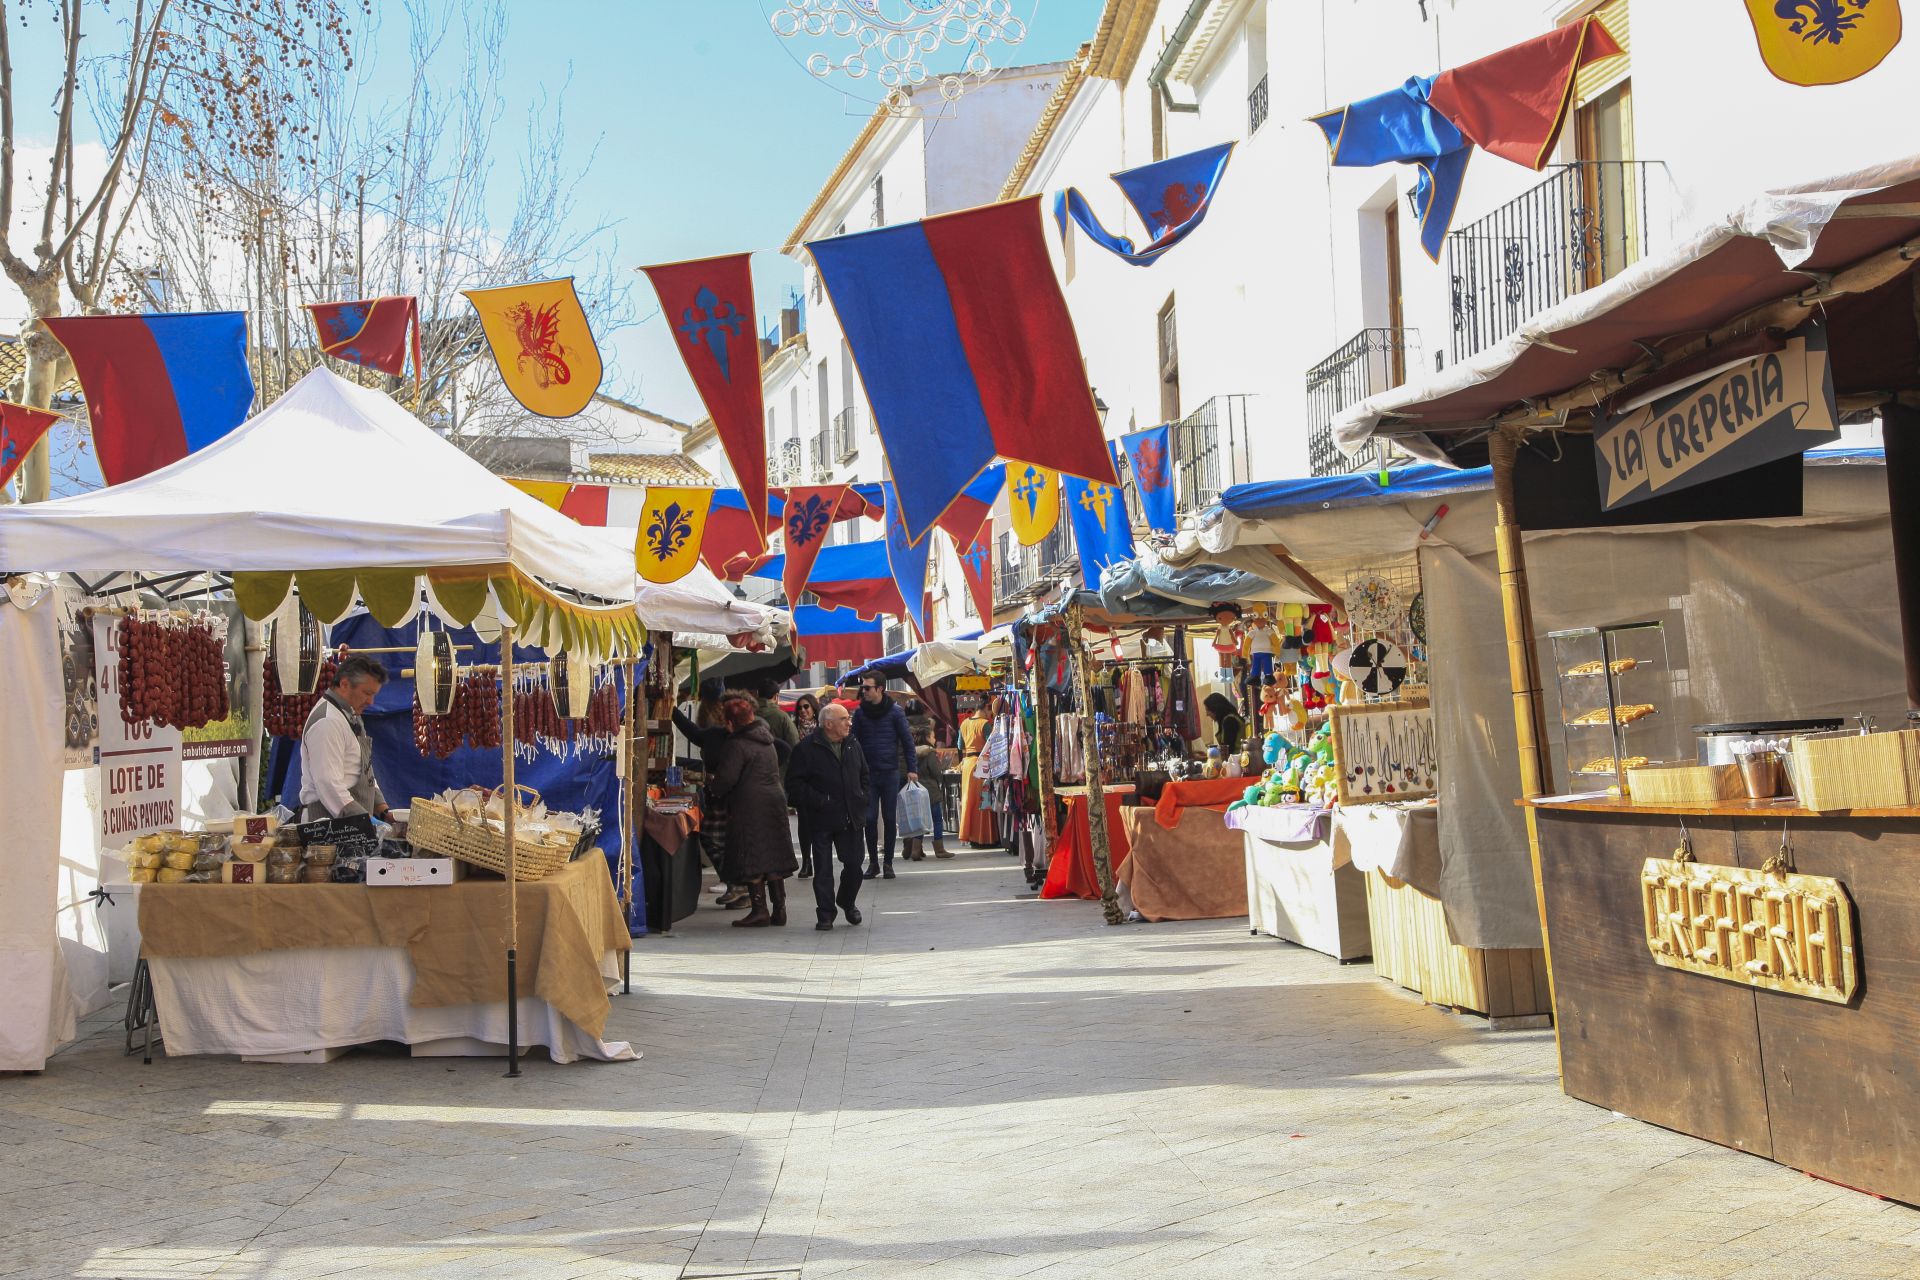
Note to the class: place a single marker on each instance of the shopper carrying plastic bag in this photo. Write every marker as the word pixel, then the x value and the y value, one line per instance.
pixel 916 819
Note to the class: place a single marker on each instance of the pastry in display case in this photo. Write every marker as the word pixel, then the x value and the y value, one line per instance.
pixel 1616 703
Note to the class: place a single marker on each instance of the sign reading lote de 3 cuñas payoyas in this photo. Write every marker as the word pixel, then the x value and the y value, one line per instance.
pixel 1764 408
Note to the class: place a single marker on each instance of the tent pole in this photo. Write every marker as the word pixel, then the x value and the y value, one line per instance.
pixel 628 666
pixel 1523 671
pixel 255 648
pixel 1090 744
pixel 513 884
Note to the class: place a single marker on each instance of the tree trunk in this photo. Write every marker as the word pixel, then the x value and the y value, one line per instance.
pixel 46 369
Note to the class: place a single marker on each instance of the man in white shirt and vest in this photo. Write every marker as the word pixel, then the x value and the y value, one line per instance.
pixel 336 755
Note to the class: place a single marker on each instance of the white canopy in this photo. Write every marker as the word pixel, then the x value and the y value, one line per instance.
pixel 329 476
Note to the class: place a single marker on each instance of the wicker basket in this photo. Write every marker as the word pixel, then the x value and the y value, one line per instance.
pixel 1701 784
pixel 460 830
pixel 1855 770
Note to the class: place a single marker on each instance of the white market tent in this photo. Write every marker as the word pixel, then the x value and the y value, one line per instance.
pixel 335 490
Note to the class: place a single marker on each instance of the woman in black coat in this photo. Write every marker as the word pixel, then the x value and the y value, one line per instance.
pixel 743 773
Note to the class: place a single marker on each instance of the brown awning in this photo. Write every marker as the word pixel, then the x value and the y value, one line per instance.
pixel 1844 245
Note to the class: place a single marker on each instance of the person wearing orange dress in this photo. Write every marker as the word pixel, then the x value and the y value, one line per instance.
pixel 976 824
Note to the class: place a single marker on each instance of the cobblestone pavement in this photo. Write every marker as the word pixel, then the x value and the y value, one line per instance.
pixel 972 1084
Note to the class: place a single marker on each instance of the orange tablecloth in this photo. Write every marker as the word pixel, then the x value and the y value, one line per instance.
pixel 1206 793
pixel 1070 871
pixel 1198 872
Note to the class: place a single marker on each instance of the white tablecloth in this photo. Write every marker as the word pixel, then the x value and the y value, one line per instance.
pixel 276 1002
pixel 1401 841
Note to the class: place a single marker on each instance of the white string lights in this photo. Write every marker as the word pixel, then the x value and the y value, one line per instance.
pixel 889 48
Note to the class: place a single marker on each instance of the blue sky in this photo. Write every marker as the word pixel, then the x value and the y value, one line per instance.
pixel 710 139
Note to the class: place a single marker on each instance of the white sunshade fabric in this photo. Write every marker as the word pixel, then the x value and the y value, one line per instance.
pixel 329 476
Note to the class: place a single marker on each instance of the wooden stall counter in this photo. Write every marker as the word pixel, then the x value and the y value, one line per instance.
pixel 1760 990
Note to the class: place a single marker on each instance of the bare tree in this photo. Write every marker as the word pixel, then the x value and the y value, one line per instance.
pixel 364 199
pixel 218 71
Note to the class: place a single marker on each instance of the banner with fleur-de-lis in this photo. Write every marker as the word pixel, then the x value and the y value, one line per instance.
pixel 708 306
pixel 1100 526
pixel 666 546
pixel 809 514
pixel 1816 42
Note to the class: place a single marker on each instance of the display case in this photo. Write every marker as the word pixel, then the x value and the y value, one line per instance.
pixel 1616 703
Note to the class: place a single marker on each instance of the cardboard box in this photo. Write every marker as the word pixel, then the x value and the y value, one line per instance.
pixel 414 871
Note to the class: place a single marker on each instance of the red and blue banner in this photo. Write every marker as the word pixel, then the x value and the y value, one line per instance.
pixel 976 563
pixel 21 427
pixel 974 506
pixel 837 635
pixel 733 538
pixel 375 333
pixel 907 563
pixel 1150 458
pixel 809 518
pixel 1100 526
pixel 966 350
pixel 1514 103
pixel 854 575
pixel 158 387
pixel 1171 196
pixel 709 306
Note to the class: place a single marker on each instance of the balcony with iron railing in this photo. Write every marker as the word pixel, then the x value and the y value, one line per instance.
pixel 1021 573
pixel 1584 225
pixel 1210 452
pixel 817 453
pixel 783 462
pixel 1257 107
pixel 1372 361
pixel 846 434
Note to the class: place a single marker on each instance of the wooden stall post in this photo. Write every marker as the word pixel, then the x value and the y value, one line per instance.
pixel 507 755
pixel 1902 432
pixel 1523 671
pixel 662 652
pixel 1090 744
pixel 1043 743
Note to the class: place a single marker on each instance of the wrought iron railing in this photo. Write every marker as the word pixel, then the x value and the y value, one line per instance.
pixel 817 452
pixel 846 433
pixel 1021 572
pixel 1372 361
pixel 1585 224
pixel 783 462
pixel 1257 107
pixel 1210 452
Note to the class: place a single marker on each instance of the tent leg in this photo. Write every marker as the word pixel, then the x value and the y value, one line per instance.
pixel 509 815
pixel 1523 671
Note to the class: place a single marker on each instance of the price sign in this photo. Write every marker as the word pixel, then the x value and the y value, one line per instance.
pixel 140 763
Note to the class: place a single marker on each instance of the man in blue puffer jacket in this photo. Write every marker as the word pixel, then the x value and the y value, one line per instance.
pixel 881 729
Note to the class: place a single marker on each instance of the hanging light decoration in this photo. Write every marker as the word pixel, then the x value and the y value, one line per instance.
pixel 883 50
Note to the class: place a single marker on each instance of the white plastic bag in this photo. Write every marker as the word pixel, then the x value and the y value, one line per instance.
pixel 915 812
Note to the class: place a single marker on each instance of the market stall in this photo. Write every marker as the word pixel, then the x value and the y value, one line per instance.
pixel 1726 961
pixel 1446 881
pixel 385 516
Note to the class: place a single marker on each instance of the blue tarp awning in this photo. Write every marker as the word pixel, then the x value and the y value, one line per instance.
pixel 1422 480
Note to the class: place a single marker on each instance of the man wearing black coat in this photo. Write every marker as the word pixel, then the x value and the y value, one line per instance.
pixel 827 783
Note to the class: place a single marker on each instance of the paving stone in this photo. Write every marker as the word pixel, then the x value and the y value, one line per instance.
pixel 973 1085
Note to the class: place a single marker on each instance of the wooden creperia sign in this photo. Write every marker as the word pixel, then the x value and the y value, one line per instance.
pixel 1768 928
pixel 1765 408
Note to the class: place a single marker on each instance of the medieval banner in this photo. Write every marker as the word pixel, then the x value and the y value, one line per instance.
pixel 542 345
pixel 1815 42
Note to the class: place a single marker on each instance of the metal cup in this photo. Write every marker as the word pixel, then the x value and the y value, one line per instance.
pixel 1760 772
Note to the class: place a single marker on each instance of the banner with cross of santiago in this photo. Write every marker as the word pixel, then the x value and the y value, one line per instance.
pixel 1101 528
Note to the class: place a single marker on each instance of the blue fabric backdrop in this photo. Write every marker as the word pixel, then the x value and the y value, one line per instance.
pixel 570 782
